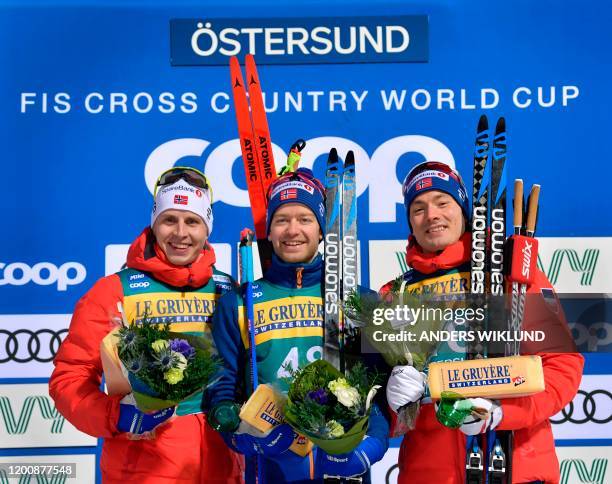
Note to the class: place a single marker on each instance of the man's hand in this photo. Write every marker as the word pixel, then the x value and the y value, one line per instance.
pixel 270 444
pixel 141 425
pixel 486 415
pixel 406 385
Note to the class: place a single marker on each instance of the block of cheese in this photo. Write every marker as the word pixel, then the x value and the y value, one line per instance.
pixel 116 381
pixel 264 412
pixel 506 377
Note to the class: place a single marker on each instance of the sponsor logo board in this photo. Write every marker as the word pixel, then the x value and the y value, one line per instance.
pixel 582 465
pixel 589 414
pixel 85 472
pixel 574 265
pixel 29 419
pixel 29 342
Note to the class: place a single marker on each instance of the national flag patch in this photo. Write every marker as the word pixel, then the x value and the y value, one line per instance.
pixel 180 199
pixel 424 183
pixel 289 194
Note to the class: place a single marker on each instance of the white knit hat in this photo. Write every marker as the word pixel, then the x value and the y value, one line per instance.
pixel 183 196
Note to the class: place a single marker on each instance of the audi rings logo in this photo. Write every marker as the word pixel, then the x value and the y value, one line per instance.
pixel 24 345
pixel 596 407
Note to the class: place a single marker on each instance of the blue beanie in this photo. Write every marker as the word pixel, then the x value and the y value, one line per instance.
pixel 297 187
pixel 433 175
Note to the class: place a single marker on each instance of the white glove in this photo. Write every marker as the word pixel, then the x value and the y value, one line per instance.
pixel 406 385
pixel 486 416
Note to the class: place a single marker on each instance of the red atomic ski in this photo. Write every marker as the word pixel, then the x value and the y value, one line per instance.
pixel 254 137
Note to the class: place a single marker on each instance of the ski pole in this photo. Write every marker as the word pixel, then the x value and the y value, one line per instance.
pixel 246 279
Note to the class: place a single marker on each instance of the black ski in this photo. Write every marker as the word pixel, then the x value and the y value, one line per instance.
pixel 332 292
pixel 499 444
pixel 474 466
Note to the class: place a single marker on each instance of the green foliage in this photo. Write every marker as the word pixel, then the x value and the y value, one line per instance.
pixel 136 353
pixel 316 417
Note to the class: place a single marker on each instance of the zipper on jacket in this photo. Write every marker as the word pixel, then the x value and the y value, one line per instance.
pixel 298 277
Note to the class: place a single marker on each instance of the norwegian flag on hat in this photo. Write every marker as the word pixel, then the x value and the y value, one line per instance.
pixel 288 194
pixel 424 183
pixel 181 199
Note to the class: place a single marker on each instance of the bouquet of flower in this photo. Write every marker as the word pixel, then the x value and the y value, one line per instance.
pixel 163 368
pixel 403 343
pixel 330 408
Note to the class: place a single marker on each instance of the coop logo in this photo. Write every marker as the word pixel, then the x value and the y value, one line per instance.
pixel 17 423
pixel 376 173
pixel 42 274
pixel 402 38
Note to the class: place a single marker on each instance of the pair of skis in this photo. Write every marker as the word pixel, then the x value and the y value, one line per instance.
pixel 524 224
pixel 490 461
pixel 341 264
pixel 487 285
pixel 256 147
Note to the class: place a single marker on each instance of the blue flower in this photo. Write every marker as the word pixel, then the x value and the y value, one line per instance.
pixel 183 347
pixel 135 365
pixel 319 396
pixel 128 339
pixel 164 359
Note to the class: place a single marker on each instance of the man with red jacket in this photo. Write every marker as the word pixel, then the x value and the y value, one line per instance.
pixel 439 256
pixel 170 277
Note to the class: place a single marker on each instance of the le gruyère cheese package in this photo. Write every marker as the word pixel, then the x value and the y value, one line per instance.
pixel 507 377
pixel 263 412
pixel 116 382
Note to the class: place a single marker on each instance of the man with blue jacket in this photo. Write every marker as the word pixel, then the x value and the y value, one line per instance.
pixel 288 309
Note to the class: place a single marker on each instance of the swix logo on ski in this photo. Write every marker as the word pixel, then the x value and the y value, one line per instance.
pixel 526 259
pixel 402 38
pixel 295 185
pixel 42 274
pixel 376 172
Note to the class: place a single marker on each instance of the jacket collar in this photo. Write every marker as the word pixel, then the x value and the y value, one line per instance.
pixel 146 255
pixel 452 256
pixel 295 275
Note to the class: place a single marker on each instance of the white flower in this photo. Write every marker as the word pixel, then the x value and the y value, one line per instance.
pixel 180 361
pixel 346 394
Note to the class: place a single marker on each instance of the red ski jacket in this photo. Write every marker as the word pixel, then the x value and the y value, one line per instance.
pixel 184 450
pixel 434 453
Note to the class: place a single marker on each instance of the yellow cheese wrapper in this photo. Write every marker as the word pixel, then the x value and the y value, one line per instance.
pixel 507 377
pixel 116 382
pixel 263 412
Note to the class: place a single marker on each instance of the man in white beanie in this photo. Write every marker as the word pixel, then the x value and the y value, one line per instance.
pixel 170 272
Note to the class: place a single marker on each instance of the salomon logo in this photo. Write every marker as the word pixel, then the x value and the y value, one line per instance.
pixel 478 250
